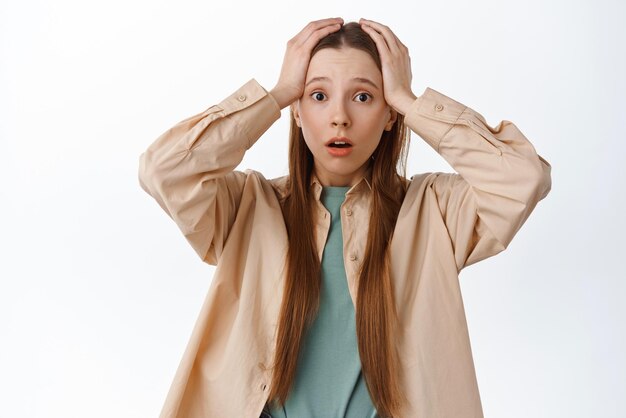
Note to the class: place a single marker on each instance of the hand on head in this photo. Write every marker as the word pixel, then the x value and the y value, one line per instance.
pixel 396 64
pixel 394 55
pixel 290 85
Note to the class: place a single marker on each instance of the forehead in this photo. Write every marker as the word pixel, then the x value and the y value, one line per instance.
pixel 343 63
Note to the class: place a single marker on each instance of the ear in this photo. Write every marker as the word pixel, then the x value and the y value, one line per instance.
pixel 296 112
pixel 393 116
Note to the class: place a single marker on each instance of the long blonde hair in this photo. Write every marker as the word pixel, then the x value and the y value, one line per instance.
pixel 376 318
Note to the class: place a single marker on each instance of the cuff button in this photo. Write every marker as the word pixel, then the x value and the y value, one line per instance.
pixel 439 108
pixel 241 98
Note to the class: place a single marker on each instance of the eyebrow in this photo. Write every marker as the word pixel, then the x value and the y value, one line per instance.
pixel 360 79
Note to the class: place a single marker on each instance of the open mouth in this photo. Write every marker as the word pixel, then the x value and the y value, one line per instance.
pixel 339 147
pixel 339 144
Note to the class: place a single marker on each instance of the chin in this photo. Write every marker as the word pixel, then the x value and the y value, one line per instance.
pixel 340 168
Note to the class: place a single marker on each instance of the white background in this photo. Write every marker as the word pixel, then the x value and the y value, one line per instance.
pixel 99 290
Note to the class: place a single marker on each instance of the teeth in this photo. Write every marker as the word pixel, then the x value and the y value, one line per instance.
pixel 340 142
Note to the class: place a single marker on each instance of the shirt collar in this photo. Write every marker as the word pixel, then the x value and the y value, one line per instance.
pixel 364 183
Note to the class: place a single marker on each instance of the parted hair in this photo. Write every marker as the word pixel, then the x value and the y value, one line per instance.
pixel 376 316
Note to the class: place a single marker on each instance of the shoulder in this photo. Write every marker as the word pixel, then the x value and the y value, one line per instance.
pixel 430 178
pixel 271 187
pixel 436 182
pixel 280 185
pixel 421 180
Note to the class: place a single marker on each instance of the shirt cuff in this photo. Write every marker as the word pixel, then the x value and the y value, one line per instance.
pixel 266 110
pixel 432 115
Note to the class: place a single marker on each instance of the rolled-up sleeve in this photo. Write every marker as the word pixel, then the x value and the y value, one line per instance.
pixel 189 169
pixel 499 176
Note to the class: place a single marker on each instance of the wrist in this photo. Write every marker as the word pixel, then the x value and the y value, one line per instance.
pixel 282 97
pixel 404 102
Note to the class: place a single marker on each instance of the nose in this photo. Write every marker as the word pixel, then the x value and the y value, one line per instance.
pixel 340 116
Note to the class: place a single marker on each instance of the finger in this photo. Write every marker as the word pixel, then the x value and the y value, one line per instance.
pixel 314 38
pixel 317 25
pixel 379 40
pixel 306 32
pixel 392 40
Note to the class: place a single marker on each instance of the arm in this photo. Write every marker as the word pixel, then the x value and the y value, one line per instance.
pixel 500 176
pixel 188 169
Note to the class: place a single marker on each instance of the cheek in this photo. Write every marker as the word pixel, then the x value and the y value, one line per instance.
pixel 374 128
pixel 310 139
pixel 307 121
pixel 311 132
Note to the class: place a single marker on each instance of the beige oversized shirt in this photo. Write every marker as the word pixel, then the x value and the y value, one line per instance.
pixel 233 220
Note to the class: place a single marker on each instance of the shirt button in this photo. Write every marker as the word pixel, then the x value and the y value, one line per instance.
pixel 352 257
pixel 348 212
pixel 439 107
pixel 241 98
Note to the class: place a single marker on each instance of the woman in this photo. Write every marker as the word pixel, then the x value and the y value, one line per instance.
pixel 336 289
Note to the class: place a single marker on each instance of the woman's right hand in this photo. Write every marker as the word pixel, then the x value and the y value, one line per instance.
pixel 290 85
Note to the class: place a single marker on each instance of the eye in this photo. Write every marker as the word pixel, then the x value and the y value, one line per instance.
pixel 316 96
pixel 364 94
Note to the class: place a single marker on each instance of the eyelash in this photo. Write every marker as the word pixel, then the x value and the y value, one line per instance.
pixel 319 92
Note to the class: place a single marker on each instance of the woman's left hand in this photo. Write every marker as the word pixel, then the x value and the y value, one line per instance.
pixel 396 65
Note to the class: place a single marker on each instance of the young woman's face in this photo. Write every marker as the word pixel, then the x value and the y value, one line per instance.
pixel 343 103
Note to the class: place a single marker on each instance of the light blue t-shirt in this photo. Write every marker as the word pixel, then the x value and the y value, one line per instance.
pixel 329 382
